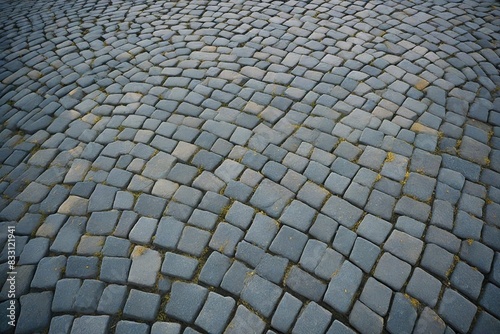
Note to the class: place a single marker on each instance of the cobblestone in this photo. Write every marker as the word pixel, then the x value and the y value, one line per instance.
pixel 251 167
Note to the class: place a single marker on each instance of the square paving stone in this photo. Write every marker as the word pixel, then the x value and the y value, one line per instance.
pixel 324 228
pixel 180 266
pixel 215 314
pixel 456 310
pixel 244 321
pixel 262 231
pixel 404 246
pixel 343 287
pixel 419 186
pixel 376 296
pixel 467 280
pixel 240 215
pixel 364 254
pixel 88 296
pixel 112 299
pixel 424 287
pixel 286 312
pixel 313 195
pixel 131 327
pixel 380 204
pixel 261 294
pixel 225 238
pixel 486 323
pixel 91 324
pixel 365 320
pixel 143 230
pixel 490 299
pixel 429 322
pixel 61 324
pixel 305 284
pixel 150 206
pixel 272 268
pixel 342 211
pixel 477 255
pixel 102 223
pixel 312 254
pixel 409 207
pixel 313 319
pixel 298 215
pixel 142 306
pixel 82 267
pixel 145 266
pixel 116 247
pixel 65 294
pixel 402 316
pixel 392 271
pixel 168 233
pixel 234 279
pixel 186 301
pixel 165 328
pixel 193 240
pixel 289 243
pixel 344 240
pixel 437 260
pixel 35 312
pixel 115 269
pixel 214 269
pixel 48 272
pixel 271 198
pixel 374 229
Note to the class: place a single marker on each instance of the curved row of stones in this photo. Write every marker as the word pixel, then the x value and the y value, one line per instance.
pixel 251 167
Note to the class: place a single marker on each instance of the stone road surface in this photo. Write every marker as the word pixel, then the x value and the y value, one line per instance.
pixel 250 166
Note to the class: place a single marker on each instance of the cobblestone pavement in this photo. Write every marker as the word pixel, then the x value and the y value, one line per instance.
pixel 250 166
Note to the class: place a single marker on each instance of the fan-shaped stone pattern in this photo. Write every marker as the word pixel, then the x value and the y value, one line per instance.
pixel 237 166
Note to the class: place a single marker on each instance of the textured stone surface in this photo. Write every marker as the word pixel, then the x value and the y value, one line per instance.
pixel 250 166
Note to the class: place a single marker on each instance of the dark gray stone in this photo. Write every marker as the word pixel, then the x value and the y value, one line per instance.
pixel 456 310
pixel 91 324
pixel 289 243
pixel 392 271
pixel 35 312
pixel 343 287
pixel 286 312
pixel 304 284
pixel 402 316
pixel 365 320
pixel 142 306
pixel 313 319
pixel 186 301
pixel 215 314
pixel 261 294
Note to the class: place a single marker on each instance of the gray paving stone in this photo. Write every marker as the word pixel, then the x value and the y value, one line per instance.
pixel 102 223
pixel 142 306
pixel 380 204
pixel 214 269
pixel 98 324
pixel 404 246
pixel 261 294
pixel 486 323
pixel 344 240
pixel 437 260
pixel 216 312
pixel 392 271
pixel 112 299
pixel 271 198
pixel 69 235
pixel 244 321
pixel 305 284
pixel 165 328
pixel 341 211
pixel 402 316
pixel 343 287
pixel 145 266
pixel 456 310
pixel 477 255
pixel 186 301
pixel 289 243
pixel 168 233
pixel 61 324
pixel 225 239
pixel 374 229
pixel 412 208
pixel 365 320
pixel 128 327
pixel 82 267
pixel 364 254
pixel 298 215
pixel 467 280
pixel 88 296
pixel 313 319
pixel 376 296
pixel 180 266
pixel 489 300
pixel 48 272
pixel 424 287
pixel 35 312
